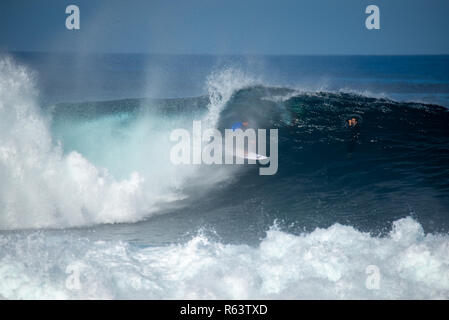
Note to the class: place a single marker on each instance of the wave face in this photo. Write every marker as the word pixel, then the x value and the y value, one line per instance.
pixel 332 263
pixel 392 164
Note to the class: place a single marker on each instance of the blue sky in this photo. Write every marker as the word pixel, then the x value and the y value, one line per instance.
pixel 227 26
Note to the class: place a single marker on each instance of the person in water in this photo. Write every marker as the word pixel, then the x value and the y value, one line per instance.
pixel 352 122
pixel 353 125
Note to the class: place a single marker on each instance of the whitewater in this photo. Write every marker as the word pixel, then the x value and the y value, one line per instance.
pixel 327 263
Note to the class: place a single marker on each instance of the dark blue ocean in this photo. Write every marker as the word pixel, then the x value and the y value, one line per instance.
pixel 92 207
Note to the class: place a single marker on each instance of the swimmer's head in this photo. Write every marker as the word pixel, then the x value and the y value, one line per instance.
pixel 352 122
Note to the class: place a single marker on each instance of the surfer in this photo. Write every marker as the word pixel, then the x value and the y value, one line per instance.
pixel 242 125
pixel 239 125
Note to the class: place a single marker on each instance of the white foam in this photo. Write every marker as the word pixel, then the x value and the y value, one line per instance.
pixel 221 85
pixel 327 263
pixel 42 187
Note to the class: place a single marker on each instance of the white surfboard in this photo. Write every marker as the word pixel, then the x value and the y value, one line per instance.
pixel 255 156
pixel 251 156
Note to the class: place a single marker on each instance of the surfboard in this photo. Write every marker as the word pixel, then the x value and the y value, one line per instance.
pixel 249 156
pixel 255 156
pixel 252 156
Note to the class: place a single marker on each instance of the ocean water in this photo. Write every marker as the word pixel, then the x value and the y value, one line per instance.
pixel 92 207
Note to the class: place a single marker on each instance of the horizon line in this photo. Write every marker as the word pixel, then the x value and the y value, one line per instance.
pixel 223 54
